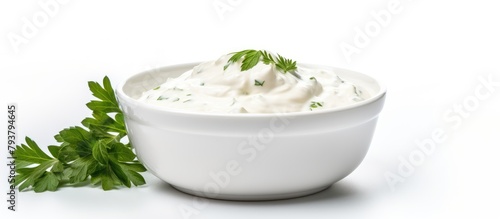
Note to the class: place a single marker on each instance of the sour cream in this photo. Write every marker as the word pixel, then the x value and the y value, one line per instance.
pixel 261 89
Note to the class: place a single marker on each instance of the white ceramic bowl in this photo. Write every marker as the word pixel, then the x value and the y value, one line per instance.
pixel 249 156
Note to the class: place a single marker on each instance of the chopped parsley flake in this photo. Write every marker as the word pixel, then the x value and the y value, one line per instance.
pixel 259 83
pixel 315 105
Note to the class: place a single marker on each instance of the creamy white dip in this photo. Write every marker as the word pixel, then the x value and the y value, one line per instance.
pixel 261 89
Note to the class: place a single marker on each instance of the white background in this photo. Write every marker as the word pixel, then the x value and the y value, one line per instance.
pixel 430 55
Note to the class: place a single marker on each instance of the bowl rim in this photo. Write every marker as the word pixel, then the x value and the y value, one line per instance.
pixel 122 95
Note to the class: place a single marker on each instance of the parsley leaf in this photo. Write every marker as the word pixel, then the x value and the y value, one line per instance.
pixel 27 155
pixel 94 151
pixel 286 65
pixel 48 182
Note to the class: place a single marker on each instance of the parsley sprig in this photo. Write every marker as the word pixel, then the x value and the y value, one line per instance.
pixel 95 151
pixel 252 57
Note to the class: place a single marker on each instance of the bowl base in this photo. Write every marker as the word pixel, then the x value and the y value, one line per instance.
pixel 269 197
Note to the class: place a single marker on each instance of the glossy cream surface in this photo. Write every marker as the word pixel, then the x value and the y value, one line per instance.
pixel 261 89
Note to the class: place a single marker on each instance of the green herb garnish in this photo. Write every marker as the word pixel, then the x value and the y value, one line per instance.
pixel 315 105
pixel 259 83
pixel 95 151
pixel 252 57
